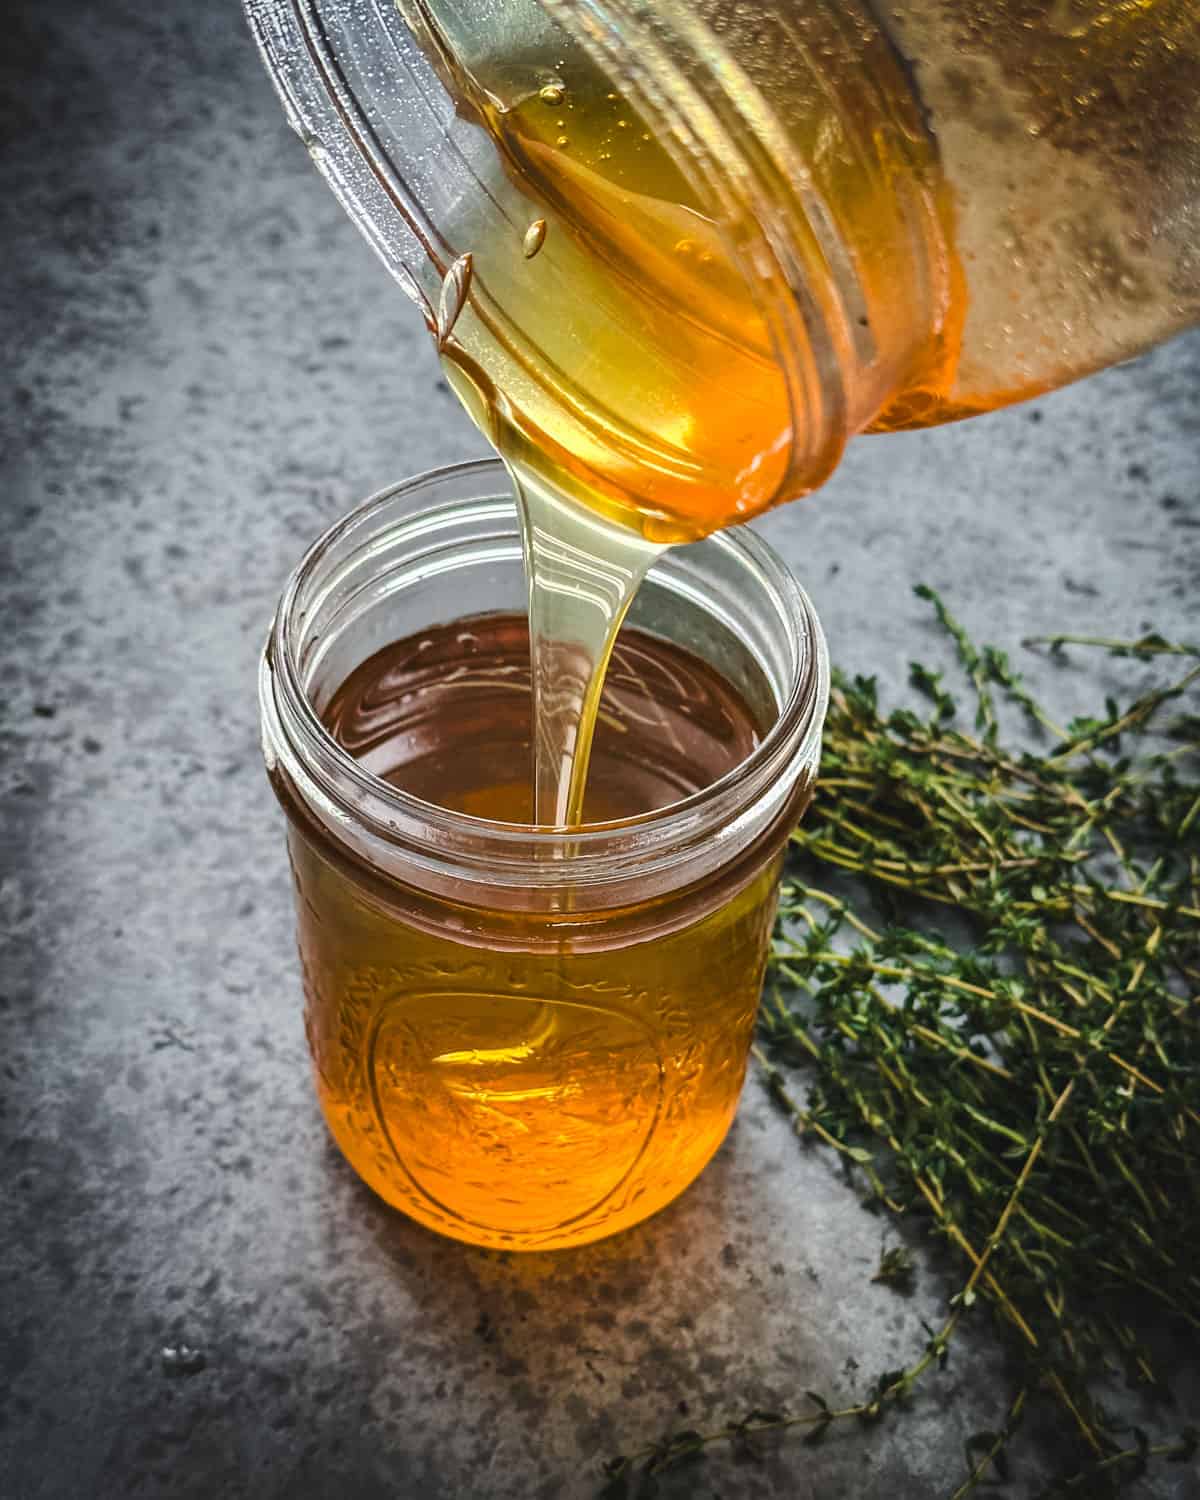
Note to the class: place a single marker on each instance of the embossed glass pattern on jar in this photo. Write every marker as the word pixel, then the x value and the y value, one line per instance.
pixel 524 1037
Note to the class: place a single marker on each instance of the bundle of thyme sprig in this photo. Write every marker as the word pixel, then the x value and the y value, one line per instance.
pixel 1030 1092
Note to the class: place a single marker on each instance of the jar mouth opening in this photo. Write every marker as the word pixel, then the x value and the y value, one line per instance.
pixel 322 771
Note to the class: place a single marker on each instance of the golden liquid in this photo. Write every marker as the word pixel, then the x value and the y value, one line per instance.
pixel 1048 152
pixel 641 382
pixel 515 1081
pixel 582 571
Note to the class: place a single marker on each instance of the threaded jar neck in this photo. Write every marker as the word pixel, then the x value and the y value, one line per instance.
pixel 452 535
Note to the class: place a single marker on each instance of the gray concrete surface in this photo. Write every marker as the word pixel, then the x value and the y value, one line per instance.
pixel 204 365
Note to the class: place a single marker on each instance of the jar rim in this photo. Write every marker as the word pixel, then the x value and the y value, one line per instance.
pixel 331 781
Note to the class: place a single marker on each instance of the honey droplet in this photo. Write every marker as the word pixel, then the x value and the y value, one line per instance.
pixel 552 94
pixel 534 237
pixel 562 141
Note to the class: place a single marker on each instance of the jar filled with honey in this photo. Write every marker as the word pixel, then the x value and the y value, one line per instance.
pixel 530 1037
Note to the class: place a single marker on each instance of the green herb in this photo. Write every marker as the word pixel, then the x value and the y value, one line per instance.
pixel 1030 1093
pixel 896 1269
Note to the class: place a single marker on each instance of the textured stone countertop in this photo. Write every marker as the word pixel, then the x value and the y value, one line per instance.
pixel 205 365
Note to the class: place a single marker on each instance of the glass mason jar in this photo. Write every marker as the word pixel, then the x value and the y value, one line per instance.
pixel 523 1037
pixel 710 240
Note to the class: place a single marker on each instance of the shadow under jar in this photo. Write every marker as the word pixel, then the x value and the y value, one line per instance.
pixel 525 1037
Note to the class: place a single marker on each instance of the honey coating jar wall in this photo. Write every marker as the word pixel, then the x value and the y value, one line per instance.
pixel 712 240
pixel 523 1037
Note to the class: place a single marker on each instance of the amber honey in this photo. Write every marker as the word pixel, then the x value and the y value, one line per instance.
pixel 522 1080
pixel 613 347
pixel 962 205
pixel 643 384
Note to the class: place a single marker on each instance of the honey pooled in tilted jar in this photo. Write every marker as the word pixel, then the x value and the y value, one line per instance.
pixel 712 240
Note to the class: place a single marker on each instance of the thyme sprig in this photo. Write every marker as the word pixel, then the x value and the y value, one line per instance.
pixel 1028 1092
